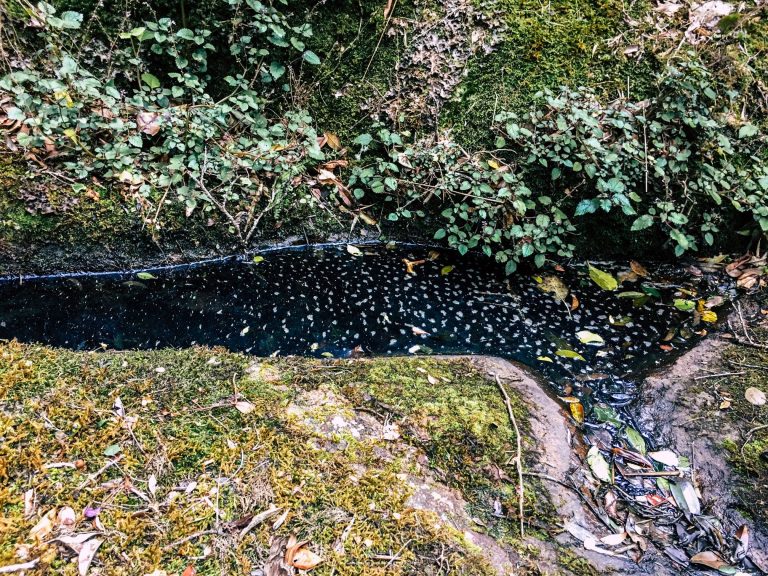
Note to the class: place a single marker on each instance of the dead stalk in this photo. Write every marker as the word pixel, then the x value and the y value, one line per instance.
pixel 11 568
pixel 173 545
pixel 99 472
pixel 518 455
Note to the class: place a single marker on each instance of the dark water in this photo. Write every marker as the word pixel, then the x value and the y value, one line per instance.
pixel 331 303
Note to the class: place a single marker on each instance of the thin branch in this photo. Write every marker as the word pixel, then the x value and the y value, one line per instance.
pixel 518 456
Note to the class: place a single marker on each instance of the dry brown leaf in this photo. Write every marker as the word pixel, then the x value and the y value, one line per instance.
pixel 44 527
pixel 148 122
pixel 332 140
pixel 305 559
pixel 708 559
pixel 638 268
pixel 189 571
pixel 245 407
pixel 85 557
pixel 755 396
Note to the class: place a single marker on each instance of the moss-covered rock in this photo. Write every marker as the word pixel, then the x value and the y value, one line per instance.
pixel 385 466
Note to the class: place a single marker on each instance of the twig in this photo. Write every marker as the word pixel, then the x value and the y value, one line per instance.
pixel 397 554
pixel 518 456
pixel 671 473
pixel 173 545
pixel 381 37
pixel 99 472
pixel 11 568
pixel 258 519
pixel 718 375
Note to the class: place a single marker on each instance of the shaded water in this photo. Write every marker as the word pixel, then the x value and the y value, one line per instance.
pixel 328 302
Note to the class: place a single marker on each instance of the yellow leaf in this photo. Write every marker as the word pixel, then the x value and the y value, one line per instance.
pixel 602 279
pixel 709 316
pixel 71 134
pixel 570 354
pixel 333 140
pixel 493 164
pixel 445 270
pixel 587 337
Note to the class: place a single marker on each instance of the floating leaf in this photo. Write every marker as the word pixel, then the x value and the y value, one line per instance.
pixel 545 359
pixel 257 259
pixel 570 354
pixel 146 276
pixel 630 294
pixel 445 270
pixel 354 250
pixel 638 268
pixel 666 457
pixel 604 413
pixel 684 305
pixel 587 337
pixel 755 396
pixel 598 464
pixel 603 279
pixel 554 286
pixel 651 291
pixel 635 439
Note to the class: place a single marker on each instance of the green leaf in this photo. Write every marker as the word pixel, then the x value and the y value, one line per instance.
pixel 186 34
pixel 311 57
pixel 684 305
pixel 257 259
pixel 602 279
pixel 276 70
pixel 598 464
pixel 636 440
pixel 112 450
pixel 570 354
pixel 135 140
pixel 510 267
pixel 150 80
pixel 440 234
pixel 630 294
pixel 642 223
pixel 747 131
pixel 606 414
pixel 146 276
pixel 364 139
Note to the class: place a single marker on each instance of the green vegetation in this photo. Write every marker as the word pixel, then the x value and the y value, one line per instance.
pixel 206 439
pixel 553 123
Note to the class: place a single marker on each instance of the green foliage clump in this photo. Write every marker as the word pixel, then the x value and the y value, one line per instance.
pixel 150 123
pixel 676 161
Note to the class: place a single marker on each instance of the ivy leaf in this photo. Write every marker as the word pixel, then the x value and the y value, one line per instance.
pixel 747 131
pixel 602 279
pixel 641 223
pixel 276 70
pixel 311 58
pixel 186 34
pixel 150 80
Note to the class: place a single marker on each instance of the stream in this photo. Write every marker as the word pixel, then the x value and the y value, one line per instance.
pixel 342 301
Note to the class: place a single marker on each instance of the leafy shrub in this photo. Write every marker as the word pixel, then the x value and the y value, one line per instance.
pixel 679 161
pixel 162 135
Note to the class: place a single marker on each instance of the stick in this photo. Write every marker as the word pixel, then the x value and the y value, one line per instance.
pixel 258 519
pixel 99 472
pixel 11 568
pixel 718 375
pixel 518 457
pixel 190 537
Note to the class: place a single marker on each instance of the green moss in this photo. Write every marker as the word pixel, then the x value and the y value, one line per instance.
pixel 213 459
pixel 547 45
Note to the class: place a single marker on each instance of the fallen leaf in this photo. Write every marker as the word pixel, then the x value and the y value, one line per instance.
pixel 152 484
pixel 570 354
pixel 666 457
pixel 146 276
pixel 44 526
pixel 85 557
pixel 708 559
pixel 257 259
pixel 638 268
pixel 587 337
pixel 577 411
pixel 445 270
pixel 709 316
pixel 685 496
pixel 66 518
pixel 245 407
pixel 574 302
pixel 189 571
pixel 410 265
pixel 545 359
pixel 418 331
pixel 755 396
pixel 332 140
pixel 76 541
pixel 684 305
pixel 636 440
pixel 603 279
pixel 305 559
pixel 614 539
pixel 148 122
pixel 354 250
pixel 598 464
pixel 554 286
